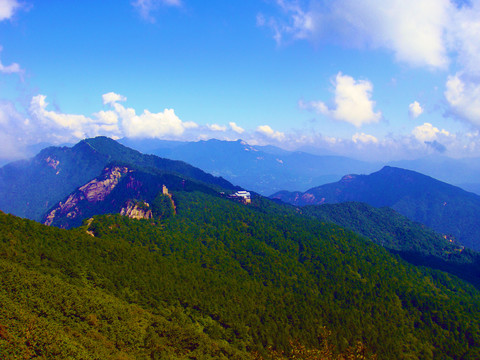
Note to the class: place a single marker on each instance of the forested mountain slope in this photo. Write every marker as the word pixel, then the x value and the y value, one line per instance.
pixel 230 280
pixel 442 207
pixel 124 189
pixel 414 242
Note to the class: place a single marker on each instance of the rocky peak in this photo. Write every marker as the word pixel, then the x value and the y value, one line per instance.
pixel 52 162
pixel 98 189
pixel 138 210
pixel 94 191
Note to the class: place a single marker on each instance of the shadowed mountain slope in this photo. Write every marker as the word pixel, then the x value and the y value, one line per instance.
pixel 443 207
pixel 413 241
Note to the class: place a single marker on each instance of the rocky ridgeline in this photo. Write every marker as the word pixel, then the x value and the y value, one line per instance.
pixel 94 191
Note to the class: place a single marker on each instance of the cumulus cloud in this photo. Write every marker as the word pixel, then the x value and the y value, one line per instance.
pixel 8 8
pixel 146 7
pixel 428 132
pixel 463 97
pixel 267 131
pixel 364 138
pixel 68 126
pixel 236 128
pixel 216 127
pixel 13 68
pixel 111 97
pixel 353 103
pixel 415 110
pixel 117 122
pixel 147 124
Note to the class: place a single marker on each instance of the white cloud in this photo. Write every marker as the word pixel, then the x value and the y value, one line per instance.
pixel 236 128
pixel 120 121
pixel 216 127
pixel 261 21
pixel 111 97
pixel 463 96
pixel 147 124
pixel 353 102
pixel 267 131
pixel 70 126
pixel 13 68
pixel 435 34
pixel 364 138
pixel 428 132
pixel 8 9
pixel 146 7
pixel 7 114
pixel 414 30
pixel 464 34
pixel 299 24
pixel 415 110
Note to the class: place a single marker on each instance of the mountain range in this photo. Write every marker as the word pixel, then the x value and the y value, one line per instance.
pixel 263 169
pixel 441 206
pixel 31 187
pixel 269 169
pixel 162 260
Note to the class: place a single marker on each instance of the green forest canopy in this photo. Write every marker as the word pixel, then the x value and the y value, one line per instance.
pixel 220 279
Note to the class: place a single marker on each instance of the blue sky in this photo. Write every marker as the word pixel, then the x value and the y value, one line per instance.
pixel 373 79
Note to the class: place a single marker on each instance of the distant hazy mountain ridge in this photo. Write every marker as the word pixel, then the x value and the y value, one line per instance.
pixel 443 207
pixel 264 169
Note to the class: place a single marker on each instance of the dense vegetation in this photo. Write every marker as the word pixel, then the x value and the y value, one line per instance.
pixel 220 279
pixel 414 242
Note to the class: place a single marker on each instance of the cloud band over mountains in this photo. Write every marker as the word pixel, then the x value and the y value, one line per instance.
pixel 365 79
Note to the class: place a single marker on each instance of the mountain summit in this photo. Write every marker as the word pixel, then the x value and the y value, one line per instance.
pixel 31 187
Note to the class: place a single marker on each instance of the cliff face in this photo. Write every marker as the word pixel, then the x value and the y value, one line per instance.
pixel 137 210
pixel 97 190
pixel 94 191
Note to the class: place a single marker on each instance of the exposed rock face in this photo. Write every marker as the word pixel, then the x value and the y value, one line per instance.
pixel 69 207
pixel 310 198
pixel 94 191
pixel 137 210
pixel 97 190
pixel 53 163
